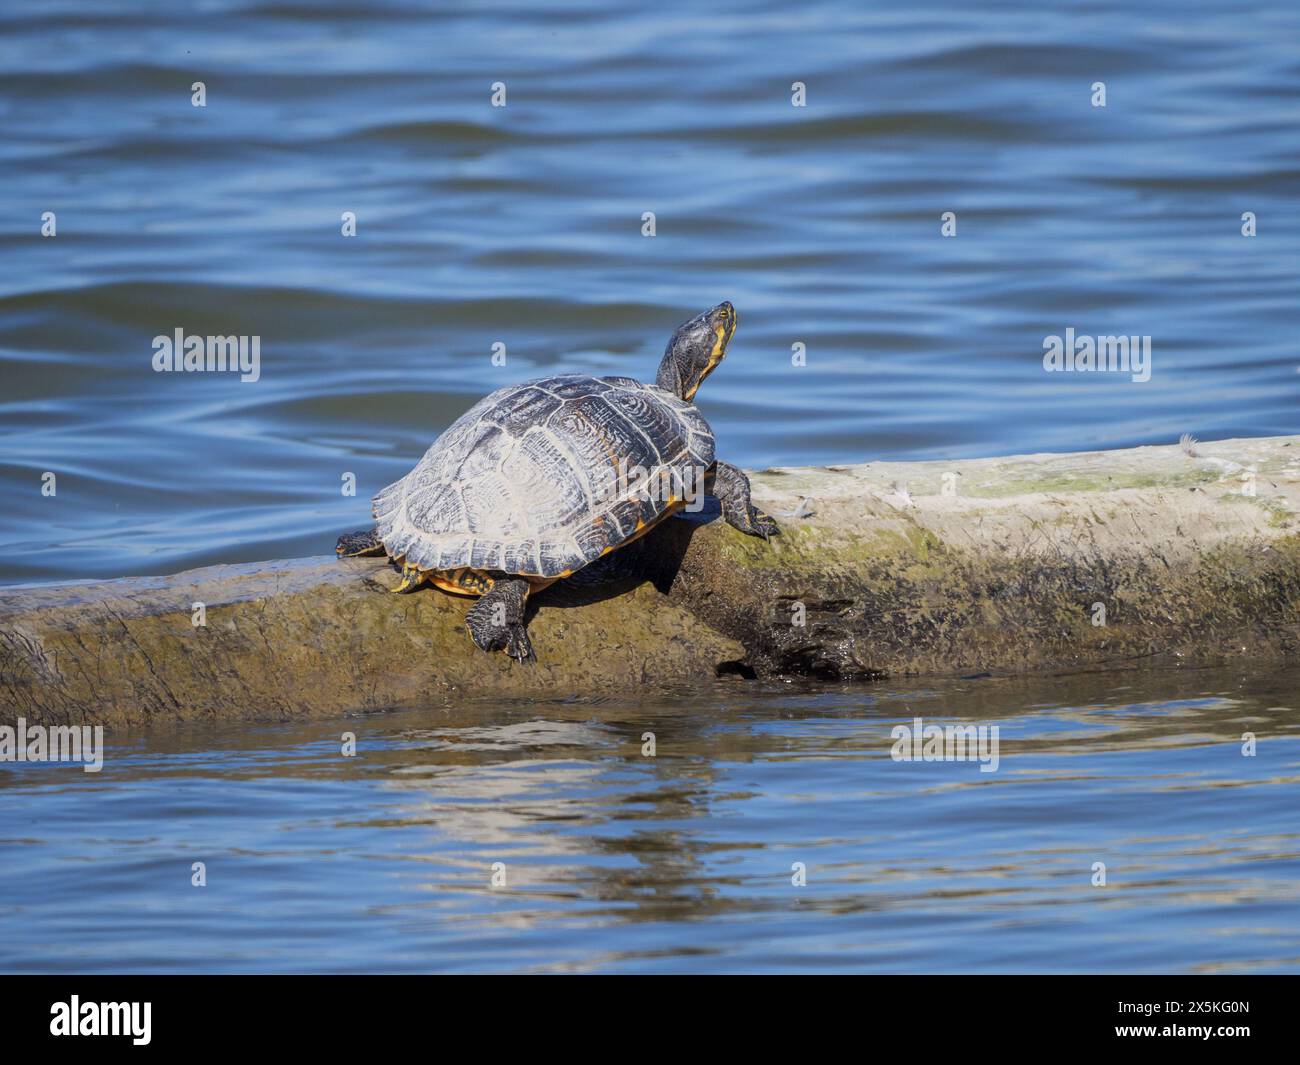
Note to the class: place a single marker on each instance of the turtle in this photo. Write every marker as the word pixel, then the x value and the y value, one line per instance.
pixel 540 479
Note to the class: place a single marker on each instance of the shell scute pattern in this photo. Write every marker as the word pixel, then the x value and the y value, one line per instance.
pixel 601 437
pixel 529 407
pixel 571 386
pixel 521 482
pixel 482 499
pixel 517 556
pixel 547 499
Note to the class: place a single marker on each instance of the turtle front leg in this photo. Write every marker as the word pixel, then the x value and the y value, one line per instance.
pixel 496 621
pixel 731 487
pixel 365 542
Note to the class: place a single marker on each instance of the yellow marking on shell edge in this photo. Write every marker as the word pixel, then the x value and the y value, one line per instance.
pixel 475 582
pixel 461 581
pixel 642 528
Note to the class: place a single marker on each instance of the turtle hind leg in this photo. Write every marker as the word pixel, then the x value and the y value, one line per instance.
pixel 412 579
pixel 731 487
pixel 496 621
pixel 353 545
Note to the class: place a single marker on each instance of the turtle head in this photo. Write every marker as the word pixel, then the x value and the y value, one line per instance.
pixel 695 349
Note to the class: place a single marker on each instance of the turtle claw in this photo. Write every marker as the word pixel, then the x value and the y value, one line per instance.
pixel 731 487
pixel 764 526
pixel 412 578
pixel 512 639
pixel 519 646
pixel 756 523
pixel 496 621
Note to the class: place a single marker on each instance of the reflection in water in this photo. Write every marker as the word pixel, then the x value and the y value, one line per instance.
pixel 615 860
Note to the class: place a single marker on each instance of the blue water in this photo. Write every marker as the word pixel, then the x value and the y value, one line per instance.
pixel 522 225
pixel 618 862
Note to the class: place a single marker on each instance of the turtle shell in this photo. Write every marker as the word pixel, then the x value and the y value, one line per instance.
pixel 528 480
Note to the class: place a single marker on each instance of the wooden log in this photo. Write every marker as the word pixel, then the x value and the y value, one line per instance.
pixel 1100 560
